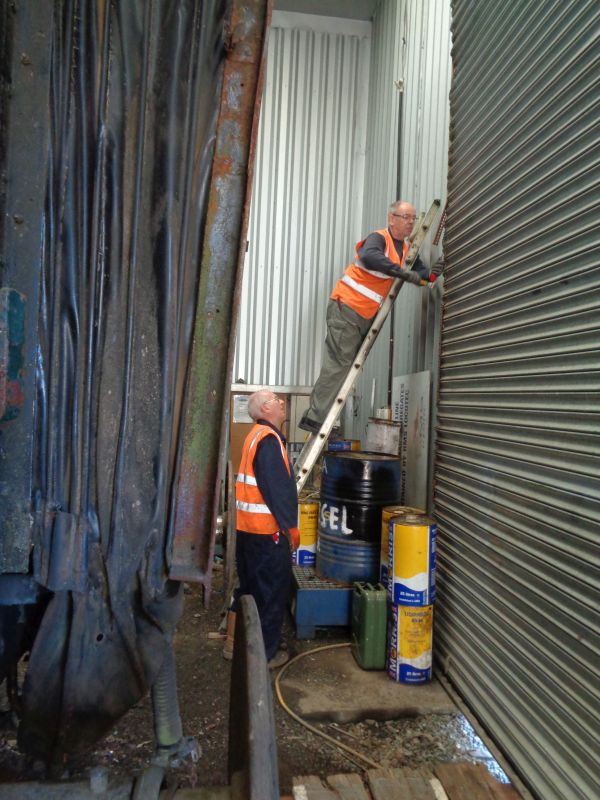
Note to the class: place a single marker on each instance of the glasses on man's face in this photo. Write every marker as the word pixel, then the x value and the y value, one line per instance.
pixel 273 399
pixel 407 217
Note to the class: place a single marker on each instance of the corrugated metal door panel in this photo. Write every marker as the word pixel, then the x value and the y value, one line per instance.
pixel 517 475
pixel 520 704
pixel 535 634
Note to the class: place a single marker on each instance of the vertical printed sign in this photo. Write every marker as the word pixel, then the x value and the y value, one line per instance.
pixel 410 407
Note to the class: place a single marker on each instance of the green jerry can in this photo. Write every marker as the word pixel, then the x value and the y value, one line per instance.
pixel 369 625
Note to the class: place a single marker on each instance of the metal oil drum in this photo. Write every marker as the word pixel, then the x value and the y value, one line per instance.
pixel 355 487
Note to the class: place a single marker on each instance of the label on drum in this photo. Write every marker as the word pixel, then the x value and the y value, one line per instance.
pixel 305 555
pixel 411 564
pixel 384 551
pixel 334 519
pixel 308 517
pixel 386 516
pixel 343 445
pixel 410 644
pixel 383 573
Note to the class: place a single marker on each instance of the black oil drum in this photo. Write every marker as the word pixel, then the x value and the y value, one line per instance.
pixel 355 487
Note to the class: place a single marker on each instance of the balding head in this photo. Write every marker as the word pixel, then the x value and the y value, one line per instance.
pixel 264 404
pixel 401 219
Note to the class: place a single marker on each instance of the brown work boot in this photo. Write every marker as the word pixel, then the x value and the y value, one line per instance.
pixel 279 659
pixel 230 638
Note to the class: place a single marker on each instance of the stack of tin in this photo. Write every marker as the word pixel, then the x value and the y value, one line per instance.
pixel 407 570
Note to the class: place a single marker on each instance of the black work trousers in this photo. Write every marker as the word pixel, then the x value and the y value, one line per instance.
pixel 264 571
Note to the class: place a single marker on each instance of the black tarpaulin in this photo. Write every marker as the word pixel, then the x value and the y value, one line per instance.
pixel 117 103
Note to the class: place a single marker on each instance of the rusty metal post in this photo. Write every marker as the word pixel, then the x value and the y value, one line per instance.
pixel 197 488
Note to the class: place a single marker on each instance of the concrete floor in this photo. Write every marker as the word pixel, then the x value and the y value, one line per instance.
pixel 330 685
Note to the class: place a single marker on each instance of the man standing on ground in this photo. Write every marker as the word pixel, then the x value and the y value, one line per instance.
pixel 356 299
pixel 266 522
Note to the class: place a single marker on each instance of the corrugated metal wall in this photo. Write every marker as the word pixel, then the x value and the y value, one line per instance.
pixel 409 84
pixel 517 493
pixel 307 196
pixel 410 56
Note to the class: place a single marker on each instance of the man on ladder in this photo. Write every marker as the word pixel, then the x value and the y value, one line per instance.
pixel 356 299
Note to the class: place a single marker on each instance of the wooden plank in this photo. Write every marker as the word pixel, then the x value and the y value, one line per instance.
pixel 486 781
pixel 438 789
pixel 309 787
pixel 419 786
pixel 388 784
pixel 452 781
pixel 426 770
pixel 349 787
pixel 462 781
pixel 506 791
pixel 500 791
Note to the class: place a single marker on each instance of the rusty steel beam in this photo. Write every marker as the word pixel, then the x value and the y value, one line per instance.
pixel 199 470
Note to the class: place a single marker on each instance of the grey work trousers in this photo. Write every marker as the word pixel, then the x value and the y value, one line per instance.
pixel 345 332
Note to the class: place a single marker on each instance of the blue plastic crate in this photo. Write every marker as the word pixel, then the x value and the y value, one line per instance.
pixel 318 602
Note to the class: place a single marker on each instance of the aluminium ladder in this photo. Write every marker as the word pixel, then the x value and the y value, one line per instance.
pixel 316 441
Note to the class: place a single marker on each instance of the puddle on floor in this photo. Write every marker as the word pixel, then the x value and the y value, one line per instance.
pixel 476 749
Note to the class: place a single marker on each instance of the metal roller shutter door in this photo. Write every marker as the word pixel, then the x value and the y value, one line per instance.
pixel 517 486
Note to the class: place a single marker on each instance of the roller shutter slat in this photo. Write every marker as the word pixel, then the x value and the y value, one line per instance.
pixel 517 461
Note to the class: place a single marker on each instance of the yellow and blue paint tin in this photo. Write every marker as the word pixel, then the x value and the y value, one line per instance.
pixel 308 520
pixel 411 560
pixel 386 515
pixel 410 632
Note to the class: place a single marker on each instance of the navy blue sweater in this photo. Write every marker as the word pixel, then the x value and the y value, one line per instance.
pixel 372 255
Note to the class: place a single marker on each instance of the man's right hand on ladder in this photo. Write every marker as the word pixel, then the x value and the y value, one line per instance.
pixel 408 276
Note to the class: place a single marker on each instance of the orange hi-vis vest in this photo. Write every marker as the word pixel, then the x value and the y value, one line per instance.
pixel 252 513
pixel 364 290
